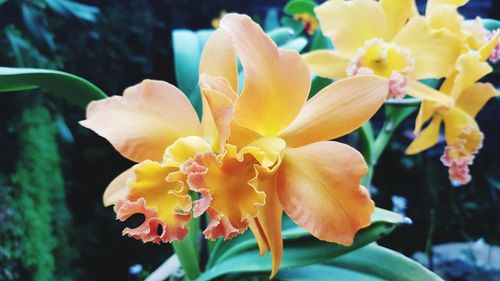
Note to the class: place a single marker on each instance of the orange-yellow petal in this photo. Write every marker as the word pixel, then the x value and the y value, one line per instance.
pixel 159 193
pixel 350 23
pixel 427 138
pixel 327 63
pixel 319 189
pixel 144 121
pixel 184 149
pixel 434 51
pixel 425 112
pixel 118 188
pixel 269 216
pixel 266 150
pixel 218 107
pixel 226 194
pixel 270 99
pixel 218 58
pixel 456 122
pixel 338 109
pixel 475 97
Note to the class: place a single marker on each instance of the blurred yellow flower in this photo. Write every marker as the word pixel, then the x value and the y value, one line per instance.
pixel 387 38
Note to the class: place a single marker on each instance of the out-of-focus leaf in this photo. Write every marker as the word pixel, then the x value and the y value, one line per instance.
pixel 300 7
pixel 491 24
pixel 291 232
pixel 298 252
pixel 71 8
pixel 295 25
pixel 320 41
pixel 317 84
pixel 187 61
pixel 271 22
pixel 60 84
pixel 385 264
pixel 281 35
pixel 36 28
pixel 2 2
pixel 297 44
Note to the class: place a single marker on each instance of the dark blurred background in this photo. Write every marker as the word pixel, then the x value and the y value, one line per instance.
pixel 53 172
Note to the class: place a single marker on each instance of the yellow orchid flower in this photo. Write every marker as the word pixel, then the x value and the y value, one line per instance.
pixel 279 142
pixel 154 124
pixel 444 14
pixel 462 133
pixel 386 38
pixel 252 155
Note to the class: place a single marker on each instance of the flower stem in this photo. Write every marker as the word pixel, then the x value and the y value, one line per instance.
pixel 187 252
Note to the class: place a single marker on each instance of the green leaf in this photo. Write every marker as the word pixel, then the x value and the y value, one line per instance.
pixel 385 264
pixel 297 44
pixel 291 231
pixel 320 41
pixel 298 252
pixel 295 25
pixel 70 8
pixel 491 24
pixel 60 84
pixel 281 35
pixel 317 84
pixel 31 18
pixel 188 46
pixel 271 22
pixel 323 273
pixel 300 7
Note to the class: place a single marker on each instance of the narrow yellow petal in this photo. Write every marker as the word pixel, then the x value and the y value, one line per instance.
pixel 338 109
pixel 424 92
pixel 427 138
pixel 470 69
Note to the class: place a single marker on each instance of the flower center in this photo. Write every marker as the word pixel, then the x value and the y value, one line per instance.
pixel 386 60
pixel 459 155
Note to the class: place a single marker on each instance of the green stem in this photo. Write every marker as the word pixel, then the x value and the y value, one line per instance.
pixel 187 252
pixel 396 113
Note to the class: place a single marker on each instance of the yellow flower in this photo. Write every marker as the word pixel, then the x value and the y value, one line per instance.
pixel 252 155
pixel 216 21
pixel 386 38
pixel 462 134
pixel 443 14
pixel 280 141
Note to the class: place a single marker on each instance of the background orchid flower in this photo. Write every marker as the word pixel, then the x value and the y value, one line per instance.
pixel 282 140
pixel 444 14
pixel 154 124
pixel 462 133
pixel 387 38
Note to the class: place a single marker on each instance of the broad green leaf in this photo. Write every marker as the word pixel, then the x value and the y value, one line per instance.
pixel 60 84
pixel 290 231
pixel 323 273
pixel 187 253
pixel 188 46
pixel 300 7
pixel 385 264
pixel 298 252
